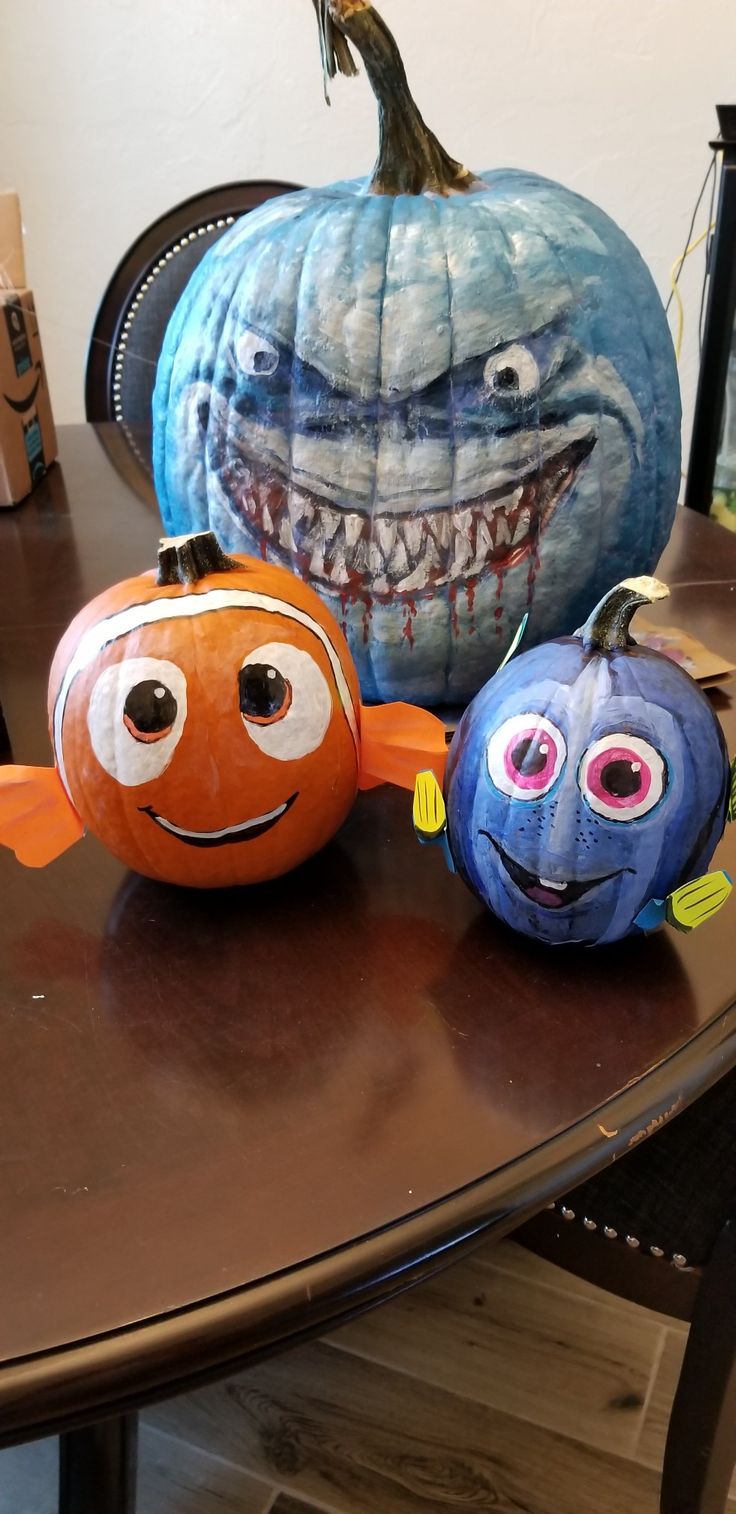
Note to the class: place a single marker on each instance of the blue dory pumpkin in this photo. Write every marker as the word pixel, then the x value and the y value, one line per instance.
pixel 442 398
pixel 588 786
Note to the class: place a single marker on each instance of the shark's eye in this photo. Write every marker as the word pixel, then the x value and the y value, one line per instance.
pixel 511 373
pixel 136 716
pixel 525 756
pixel 622 777
pixel 285 700
pixel 256 355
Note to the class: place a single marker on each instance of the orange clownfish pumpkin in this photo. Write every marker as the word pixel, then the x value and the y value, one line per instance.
pixel 207 726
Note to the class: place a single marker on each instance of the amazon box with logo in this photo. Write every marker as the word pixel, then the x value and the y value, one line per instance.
pixel 27 435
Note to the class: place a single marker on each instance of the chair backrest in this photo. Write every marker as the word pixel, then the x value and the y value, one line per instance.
pixel 134 312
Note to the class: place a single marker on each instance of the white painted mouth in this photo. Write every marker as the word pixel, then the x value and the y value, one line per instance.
pixel 247 830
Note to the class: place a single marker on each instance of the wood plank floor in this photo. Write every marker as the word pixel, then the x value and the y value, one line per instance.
pixel 502 1385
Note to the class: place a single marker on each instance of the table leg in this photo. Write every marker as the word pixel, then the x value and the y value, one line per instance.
pixel 97 1468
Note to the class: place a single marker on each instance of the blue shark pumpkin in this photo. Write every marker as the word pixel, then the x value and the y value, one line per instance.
pixel 587 783
pixel 442 398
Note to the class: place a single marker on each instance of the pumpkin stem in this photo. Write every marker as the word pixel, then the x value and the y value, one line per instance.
pixel 410 159
pixel 187 559
pixel 607 628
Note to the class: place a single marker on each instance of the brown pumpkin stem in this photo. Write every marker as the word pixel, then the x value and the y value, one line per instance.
pixel 607 628
pixel 187 559
pixel 410 159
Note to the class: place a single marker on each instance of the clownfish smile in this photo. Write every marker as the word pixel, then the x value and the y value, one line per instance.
pixel 247 830
pixel 547 892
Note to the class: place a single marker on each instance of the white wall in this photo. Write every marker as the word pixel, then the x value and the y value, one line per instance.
pixel 113 110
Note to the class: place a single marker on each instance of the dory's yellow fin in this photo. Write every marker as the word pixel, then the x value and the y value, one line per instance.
pixel 692 903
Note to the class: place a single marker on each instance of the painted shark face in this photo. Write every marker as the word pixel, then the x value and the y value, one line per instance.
pixel 433 409
pixel 366 497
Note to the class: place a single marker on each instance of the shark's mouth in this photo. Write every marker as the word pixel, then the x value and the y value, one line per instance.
pixel 389 555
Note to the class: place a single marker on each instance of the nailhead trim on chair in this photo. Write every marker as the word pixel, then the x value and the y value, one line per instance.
pixel 611 1235
pixel 120 353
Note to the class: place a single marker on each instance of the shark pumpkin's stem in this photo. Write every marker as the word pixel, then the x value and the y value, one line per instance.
pixel 607 627
pixel 410 159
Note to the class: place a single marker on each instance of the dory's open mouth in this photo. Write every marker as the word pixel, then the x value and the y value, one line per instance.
pixel 387 555
pixel 248 830
pixel 549 893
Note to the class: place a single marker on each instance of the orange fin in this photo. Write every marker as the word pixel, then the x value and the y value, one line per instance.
pixel 37 820
pixel 396 742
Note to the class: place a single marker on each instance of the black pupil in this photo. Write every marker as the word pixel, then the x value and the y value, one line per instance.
pixel 150 707
pixel 507 378
pixel 263 361
pixel 530 756
pixel 263 691
pixel 620 780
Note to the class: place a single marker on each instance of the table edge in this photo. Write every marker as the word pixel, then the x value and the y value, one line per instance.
pixel 77 1383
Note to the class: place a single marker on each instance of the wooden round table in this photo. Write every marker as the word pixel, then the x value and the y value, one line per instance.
pixel 231 1120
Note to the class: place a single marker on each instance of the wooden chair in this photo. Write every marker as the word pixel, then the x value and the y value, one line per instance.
pixel 659 1227
pixel 130 324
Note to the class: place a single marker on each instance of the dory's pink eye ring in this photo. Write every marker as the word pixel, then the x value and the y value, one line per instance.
pixel 525 756
pixel 622 777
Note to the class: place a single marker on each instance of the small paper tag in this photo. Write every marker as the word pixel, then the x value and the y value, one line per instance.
pixel 703 665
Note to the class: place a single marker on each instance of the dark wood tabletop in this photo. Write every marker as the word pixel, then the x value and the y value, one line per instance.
pixel 230 1119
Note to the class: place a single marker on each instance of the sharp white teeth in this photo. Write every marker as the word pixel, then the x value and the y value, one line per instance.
pixel 339 573
pixel 330 521
pixel 503 534
pixel 463 522
pixel 463 553
pixel 550 883
pixel 399 563
pixel 483 546
pixel 412 532
pixel 299 510
pixel 266 519
pixel 353 529
pixel 419 578
pixel 523 526
pixel 317 564
pixel 286 535
pixel 375 560
pixel 385 530
pixel 439 525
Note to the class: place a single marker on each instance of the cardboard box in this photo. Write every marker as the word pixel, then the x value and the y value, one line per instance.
pixel 12 261
pixel 27 435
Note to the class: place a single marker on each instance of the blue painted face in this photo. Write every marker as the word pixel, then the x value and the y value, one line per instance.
pixel 580 786
pixel 432 408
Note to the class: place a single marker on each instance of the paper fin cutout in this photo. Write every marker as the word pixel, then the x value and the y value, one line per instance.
pixel 396 740
pixel 688 906
pixel 519 632
pixel 37 821
pixel 695 902
pixel 430 815
pixel 732 793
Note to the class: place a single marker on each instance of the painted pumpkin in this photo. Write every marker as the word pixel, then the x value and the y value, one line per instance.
pixel 442 398
pixel 207 726
pixel 587 779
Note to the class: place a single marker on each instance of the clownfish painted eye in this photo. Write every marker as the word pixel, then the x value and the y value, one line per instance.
pixel 285 701
pixel 149 711
pixel 525 756
pixel 265 695
pixel 622 777
pixel 135 718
